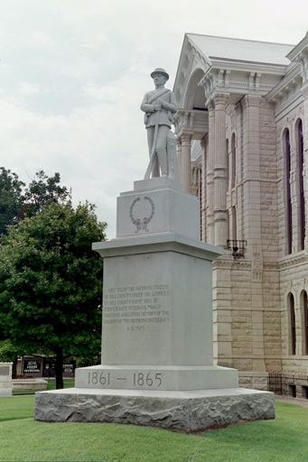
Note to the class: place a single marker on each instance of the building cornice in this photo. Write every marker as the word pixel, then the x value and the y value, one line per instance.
pixel 237 83
pixel 248 66
pixel 228 262
pixel 296 259
pixel 290 88
pixel 298 49
pixel 287 105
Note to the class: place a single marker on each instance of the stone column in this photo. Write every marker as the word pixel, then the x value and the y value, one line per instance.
pixel 252 221
pixel 251 172
pixel 220 172
pixel 210 175
pixel 238 194
pixel 203 188
pixel 179 156
pixel 186 161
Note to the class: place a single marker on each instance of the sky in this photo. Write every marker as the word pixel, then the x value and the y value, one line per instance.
pixel 73 74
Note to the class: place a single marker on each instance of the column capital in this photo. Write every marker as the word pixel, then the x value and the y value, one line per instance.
pixel 251 101
pixel 221 99
pixel 186 138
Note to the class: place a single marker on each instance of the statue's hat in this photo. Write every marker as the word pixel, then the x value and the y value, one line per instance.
pixel 159 70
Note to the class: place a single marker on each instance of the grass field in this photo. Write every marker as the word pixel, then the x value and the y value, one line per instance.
pixel 22 439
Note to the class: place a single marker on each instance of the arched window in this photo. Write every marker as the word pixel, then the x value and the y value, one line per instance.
pixel 301 197
pixel 287 162
pixel 292 325
pixel 304 309
pixel 233 161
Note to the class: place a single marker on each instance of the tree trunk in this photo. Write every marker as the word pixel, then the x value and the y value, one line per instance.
pixel 59 368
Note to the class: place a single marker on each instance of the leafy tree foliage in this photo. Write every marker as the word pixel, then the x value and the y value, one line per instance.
pixel 11 199
pixel 8 351
pixel 18 201
pixel 44 190
pixel 50 283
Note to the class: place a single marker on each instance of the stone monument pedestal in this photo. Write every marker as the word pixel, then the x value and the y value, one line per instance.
pixel 157 361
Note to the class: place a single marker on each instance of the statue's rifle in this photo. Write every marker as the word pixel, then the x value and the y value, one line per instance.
pixel 149 169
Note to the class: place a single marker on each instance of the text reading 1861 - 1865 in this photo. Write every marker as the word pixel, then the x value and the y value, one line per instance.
pixel 137 379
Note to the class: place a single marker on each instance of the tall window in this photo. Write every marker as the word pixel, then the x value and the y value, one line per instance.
pixel 301 197
pixel 233 160
pixel 287 157
pixel 304 308
pixel 292 325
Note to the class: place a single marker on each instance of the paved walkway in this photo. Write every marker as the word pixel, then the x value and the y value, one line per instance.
pixel 288 399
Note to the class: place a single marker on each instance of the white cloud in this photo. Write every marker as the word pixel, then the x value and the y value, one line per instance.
pixel 26 88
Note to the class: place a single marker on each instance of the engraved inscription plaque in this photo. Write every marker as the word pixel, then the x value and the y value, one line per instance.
pixel 136 307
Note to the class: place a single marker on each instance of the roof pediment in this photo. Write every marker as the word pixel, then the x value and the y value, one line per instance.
pixel 231 49
pixel 228 65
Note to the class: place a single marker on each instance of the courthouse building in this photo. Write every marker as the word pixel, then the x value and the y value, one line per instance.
pixel 242 132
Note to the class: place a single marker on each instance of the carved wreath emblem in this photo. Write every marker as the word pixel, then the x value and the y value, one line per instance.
pixel 141 223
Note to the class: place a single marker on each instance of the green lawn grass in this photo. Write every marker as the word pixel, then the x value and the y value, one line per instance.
pixel 284 439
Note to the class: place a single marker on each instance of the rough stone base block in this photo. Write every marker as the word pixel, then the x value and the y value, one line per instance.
pixel 187 411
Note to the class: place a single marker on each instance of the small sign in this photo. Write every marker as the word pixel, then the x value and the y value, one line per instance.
pixel 68 369
pixel 32 366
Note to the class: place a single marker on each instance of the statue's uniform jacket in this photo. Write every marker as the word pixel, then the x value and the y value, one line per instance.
pixel 164 116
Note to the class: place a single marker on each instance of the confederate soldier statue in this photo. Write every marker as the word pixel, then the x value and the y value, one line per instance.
pixel 159 106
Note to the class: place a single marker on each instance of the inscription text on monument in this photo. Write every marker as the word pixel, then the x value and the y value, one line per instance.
pixel 136 307
pixel 136 379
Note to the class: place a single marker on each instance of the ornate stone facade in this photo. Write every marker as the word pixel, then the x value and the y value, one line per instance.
pixel 246 103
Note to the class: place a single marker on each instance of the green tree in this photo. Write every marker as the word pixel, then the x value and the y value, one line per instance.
pixel 18 201
pixel 11 199
pixel 43 190
pixel 50 283
pixel 8 351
